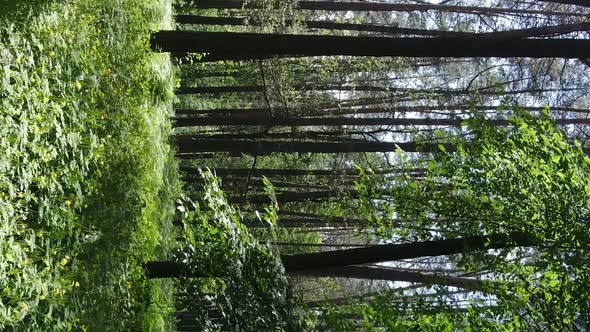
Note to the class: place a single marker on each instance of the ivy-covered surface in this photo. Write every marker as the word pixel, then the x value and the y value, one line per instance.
pixel 87 179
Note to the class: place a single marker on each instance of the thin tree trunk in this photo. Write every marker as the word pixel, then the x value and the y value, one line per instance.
pixel 329 245
pixel 292 196
pixel 187 145
pixel 316 136
pixel 233 182
pixel 388 29
pixel 394 30
pixel 262 112
pixel 392 274
pixel 339 121
pixel 538 31
pixel 304 223
pixel 243 172
pixel 365 88
pixel 239 46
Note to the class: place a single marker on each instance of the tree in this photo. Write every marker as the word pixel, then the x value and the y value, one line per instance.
pixel 395 30
pixel 189 145
pixel 371 254
pixel 382 6
pixel 338 121
pixel 230 46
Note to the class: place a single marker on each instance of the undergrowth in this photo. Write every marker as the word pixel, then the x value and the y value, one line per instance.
pixel 87 179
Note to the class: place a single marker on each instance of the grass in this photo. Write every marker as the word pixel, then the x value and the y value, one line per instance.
pixel 87 178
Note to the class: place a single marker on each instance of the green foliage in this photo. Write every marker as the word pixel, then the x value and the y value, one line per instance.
pixel 18 10
pixel 524 178
pixel 243 285
pixel 86 180
pixel 274 15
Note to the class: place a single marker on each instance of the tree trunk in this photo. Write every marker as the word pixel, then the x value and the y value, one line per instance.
pixel 310 222
pixel 239 46
pixel 339 121
pixel 363 88
pixel 263 112
pixel 243 172
pixel 582 3
pixel 384 6
pixel 256 182
pixel 388 29
pixel 371 254
pixel 559 29
pixel 293 196
pixel 392 274
pixel 315 136
pixel 394 30
pixel 390 252
pixel 188 145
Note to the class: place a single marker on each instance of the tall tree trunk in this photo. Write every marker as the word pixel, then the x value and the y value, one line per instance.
pixel 372 254
pixel 316 136
pixel 559 29
pixel 293 196
pixel 232 46
pixel 243 172
pixel 188 145
pixel 394 30
pixel 364 88
pixel 339 121
pixel 240 182
pixel 390 252
pixel 389 29
pixel 310 222
pixel 582 3
pixel 328 110
pixel 385 6
pixel 392 274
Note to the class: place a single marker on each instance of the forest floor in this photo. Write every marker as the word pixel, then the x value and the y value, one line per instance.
pixel 87 177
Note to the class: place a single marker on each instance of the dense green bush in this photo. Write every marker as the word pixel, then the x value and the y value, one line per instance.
pixel 243 286
pixel 83 193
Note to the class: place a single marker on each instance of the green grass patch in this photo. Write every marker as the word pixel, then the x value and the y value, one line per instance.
pixel 87 178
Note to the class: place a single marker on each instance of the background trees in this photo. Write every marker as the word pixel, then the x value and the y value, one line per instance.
pixel 396 125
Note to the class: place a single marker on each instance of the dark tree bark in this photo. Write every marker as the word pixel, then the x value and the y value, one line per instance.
pixel 582 3
pixel 256 182
pixel 232 46
pixel 339 121
pixel 372 254
pixel 310 222
pixel 392 274
pixel 223 111
pixel 243 172
pixel 539 31
pixel 388 29
pixel 366 88
pixel 384 6
pixel 389 252
pixel 293 196
pixel 188 145
pixel 263 112
pixel 316 136
pixel 394 30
